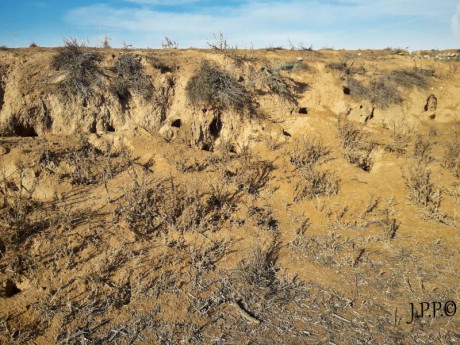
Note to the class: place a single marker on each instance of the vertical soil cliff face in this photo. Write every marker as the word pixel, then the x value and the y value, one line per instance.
pixel 148 89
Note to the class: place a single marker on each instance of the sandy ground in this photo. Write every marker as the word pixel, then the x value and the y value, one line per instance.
pixel 324 219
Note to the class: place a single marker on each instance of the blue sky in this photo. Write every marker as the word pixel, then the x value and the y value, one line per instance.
pixel 352 24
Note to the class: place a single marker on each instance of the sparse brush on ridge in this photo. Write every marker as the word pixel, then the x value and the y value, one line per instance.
pixel 81 66
pixel 211 86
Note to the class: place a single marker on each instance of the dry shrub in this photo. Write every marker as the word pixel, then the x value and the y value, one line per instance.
pixel 90 165
pixel 346 66
pixel 357 90
pixel 309 153
pixel 144 208
pixel 81 66
pixel 452 155
pixel 356 146
pixel 263 218
pixel 315 183
pixel 252 175
pixel 211 86
pixel 271 81
pixel 163 205
pixel 259 268
pixel 184 162
pixel 289 66
pixel 131 77
pixel 422 150
pixel 408 78
pixel 383 92
pixel 422 192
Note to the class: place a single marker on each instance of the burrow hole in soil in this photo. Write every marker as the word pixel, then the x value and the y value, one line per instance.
pixel 24 130
pixel 215 127
pixel 176 123
pixel 11 289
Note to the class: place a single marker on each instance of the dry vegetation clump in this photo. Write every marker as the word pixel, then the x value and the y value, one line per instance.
pixel 422 150
pixel 355 144
pixel 251 175
pixel 315 183
pixel 346 66
pixel 131 77
pixel 211 86
pixel 289 66
pixel 20 215
pixel 145 209
pixel 81 68
pixel 309 153
pixel 416 77
pixel 383 91
pixel 268 80
pixel 452 155
pixel 163 205
pixel 422 192
pixel 89 165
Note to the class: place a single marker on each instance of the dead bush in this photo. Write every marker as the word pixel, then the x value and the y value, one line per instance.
pixel 131 77
pixel 384 93
pixel 271 81
pixel 211 86
pixel 309 153
pixel 163 205
pixel 314 183
pixel 422 150
pixel 355 144
pixel 81 67
pixel 408 78
pixel 289 66
pixel 451 159
pixel 252 175
pixel 357 90
pixel 422 192
pixel 143 207
pixel 259 268
pixel 90 165
pixel 346 66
